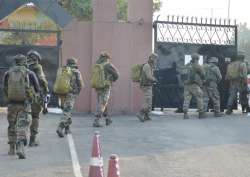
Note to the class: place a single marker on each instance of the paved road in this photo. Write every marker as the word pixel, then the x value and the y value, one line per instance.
pixel 167 146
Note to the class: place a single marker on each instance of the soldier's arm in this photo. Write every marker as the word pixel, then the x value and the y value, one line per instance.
pixel 79 80
pixel 148 72
pixel 218 74
pixel 113 71
pixel 5 84
pixel 34 81
pixel 42 79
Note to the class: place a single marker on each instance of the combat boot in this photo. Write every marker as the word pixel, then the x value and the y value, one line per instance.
pixel 12 150
pixel 147 117
pixel 229 111
pixel 140 116
pixel 97 123
pixel 202 115
pixel 33 141
pixel 59 130
pixel 247 109
pixel 108 120
pixel 67 130
pixel 185 116
pixel 20 150
pixel 218 114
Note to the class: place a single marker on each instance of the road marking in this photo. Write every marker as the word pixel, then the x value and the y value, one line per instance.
pixel 74 157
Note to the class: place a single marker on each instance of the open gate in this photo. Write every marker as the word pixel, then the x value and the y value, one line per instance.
pixel 50 54
pixel 175 40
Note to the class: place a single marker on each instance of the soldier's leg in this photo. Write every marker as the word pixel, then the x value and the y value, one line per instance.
pixel 66 119
pixel 148 106
pixel 186 103
pixel 102 99
pixel 23 125
pixel 215 97
pixel 145 105
pixel 12 118
pixel 206 98
pixel 232 96
pixel 35 111
pixel 198 93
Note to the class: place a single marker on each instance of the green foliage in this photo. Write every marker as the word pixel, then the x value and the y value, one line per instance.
pixel 122 12
pixel 157 5
pixel 82 9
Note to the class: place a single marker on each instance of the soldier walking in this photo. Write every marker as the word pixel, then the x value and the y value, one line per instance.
pixel 73 79
pixel 193 86
pixel 19 84
pixel 103 87
pixel 146 85
pixel 210 90
pixel 33 60
pixel 237 76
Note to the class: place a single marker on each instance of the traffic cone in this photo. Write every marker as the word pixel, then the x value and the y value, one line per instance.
pixel 96 161
pixel 113 170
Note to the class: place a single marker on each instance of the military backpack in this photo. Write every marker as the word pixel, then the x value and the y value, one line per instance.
pixel 233 70
pixel 18 83
pixel 136 72
pixel 97 78
pixel 62 85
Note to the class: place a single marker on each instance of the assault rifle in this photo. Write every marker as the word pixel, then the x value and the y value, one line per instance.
pixel 46 100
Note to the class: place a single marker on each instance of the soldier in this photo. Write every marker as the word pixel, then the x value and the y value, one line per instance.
pixel 193 86
pixel 210 91
pixel 237 76
pixel 17 82
pixel 103 94
pixel 68 100
pixel 34 59
pixel 146 84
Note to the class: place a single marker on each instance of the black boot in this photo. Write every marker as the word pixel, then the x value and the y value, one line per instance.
pixel 97 122
pixel 20 150
pixel 59 130
pixel 12 150
pixel 229 111
pixel 140 116
pixel 147 117
pixel 33 141
pixel 67 130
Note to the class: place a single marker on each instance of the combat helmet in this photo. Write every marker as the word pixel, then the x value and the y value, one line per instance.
pixel 20 59
pixel 72 61
pixel 195 56
pixel 33 57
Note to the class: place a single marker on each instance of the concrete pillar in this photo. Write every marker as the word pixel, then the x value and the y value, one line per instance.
pixel 104 10
pixel 140 9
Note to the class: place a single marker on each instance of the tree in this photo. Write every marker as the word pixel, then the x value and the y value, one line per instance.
pixel 82 9
pixel 244 39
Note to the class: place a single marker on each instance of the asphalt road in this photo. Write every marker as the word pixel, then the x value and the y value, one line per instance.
pixel 167 146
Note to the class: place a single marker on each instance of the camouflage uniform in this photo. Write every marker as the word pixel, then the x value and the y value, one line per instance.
pixel 18 114
pixel 68 101
pixel 210 91
pixel 238 85
pixel 193 87
pixel 146 84
pixel 36 106
pixel 103 95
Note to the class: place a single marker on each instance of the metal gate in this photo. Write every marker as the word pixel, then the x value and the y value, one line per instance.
pixel 50 54
pixel 175 40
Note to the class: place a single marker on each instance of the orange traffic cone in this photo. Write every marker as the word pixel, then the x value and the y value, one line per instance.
pixel 113 170
pixel 96 161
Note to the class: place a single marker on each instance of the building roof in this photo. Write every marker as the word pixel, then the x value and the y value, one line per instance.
pixel 49 7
